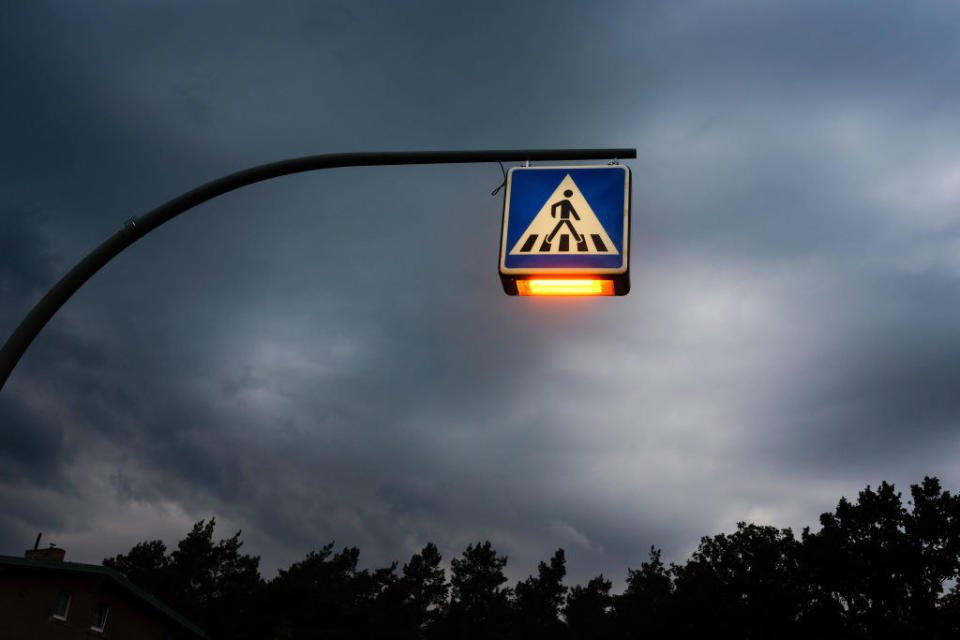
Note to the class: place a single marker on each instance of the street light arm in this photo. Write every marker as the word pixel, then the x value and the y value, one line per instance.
pixel 135 228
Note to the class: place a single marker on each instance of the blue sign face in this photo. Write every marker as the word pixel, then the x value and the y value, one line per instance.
pixel 565 220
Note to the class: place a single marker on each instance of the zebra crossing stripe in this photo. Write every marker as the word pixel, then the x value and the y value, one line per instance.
pixel 563 246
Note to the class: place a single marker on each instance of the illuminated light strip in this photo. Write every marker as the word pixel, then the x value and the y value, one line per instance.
pixel 553 287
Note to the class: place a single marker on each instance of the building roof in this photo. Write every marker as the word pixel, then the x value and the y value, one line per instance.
pixel 114 575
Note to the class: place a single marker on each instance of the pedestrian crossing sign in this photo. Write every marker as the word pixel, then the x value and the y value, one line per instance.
pixel 566 231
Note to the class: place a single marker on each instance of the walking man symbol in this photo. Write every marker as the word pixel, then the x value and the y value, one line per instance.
pixel 566 211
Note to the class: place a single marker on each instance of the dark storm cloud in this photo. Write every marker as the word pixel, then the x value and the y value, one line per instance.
pixel 884 390
pixel 27 266
pixel 817 53
pixel 32 447
pixel 329 356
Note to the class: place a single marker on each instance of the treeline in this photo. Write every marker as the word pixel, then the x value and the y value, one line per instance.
pixel 875 569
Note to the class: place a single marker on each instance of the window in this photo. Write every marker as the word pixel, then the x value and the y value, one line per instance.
pixel 100 617
pixel 63 606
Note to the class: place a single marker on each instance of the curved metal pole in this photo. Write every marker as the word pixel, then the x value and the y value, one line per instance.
pixel 136 228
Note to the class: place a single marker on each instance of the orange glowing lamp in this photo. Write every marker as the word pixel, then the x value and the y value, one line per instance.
pixel 566 231
pixel 564 287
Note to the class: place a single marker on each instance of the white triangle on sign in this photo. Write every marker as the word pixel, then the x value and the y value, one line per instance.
pixel 565 225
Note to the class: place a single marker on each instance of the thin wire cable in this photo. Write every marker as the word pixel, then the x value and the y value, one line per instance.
pixel 502 184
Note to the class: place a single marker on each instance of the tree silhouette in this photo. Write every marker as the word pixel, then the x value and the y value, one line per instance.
pixel 745 582
pixel 875 569
pixel 646 603
pixel 318 595
pixel 424 588
pixel 216 585
pixel 479 606
pixel 588 610
pixel 148 566
pixel 878 570
pixel 538 600
pixel 213 585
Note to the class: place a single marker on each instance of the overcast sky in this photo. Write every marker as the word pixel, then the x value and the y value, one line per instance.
pixel 330 356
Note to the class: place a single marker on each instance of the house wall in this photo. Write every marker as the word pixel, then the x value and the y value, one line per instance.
pixel 28 599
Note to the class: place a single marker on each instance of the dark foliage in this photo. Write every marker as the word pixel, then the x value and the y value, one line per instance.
pixel 746 581
pixel 538 600
pixel 588 610
pixel 213 585
pixel 324 594
pixel 424 591
pixel 479 606
pixel 875 569
pixel 646 605
pixel 146 565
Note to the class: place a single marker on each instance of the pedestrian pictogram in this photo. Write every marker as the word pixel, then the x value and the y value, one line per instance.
pixel 566 223
pixel 569 225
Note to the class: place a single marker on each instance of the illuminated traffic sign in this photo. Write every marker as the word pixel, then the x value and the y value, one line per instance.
pixel 566 231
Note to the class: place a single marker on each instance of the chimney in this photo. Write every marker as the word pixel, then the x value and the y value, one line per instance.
pixel 53 554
